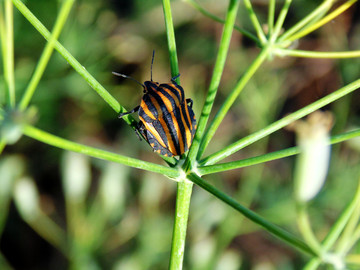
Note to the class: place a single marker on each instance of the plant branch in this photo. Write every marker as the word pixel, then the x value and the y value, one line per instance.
pixel 53 140
pixel 9 52
pixel 301 24
pixel 280 20
pixel 323 21
pixel 218 19
pixel 255 21
pixel 73 62
pixel 45 57
pixel 240 144
pixel 270 227
pixel 232 165
pixel 220 115
pixel 184 187
pixel 316 54
pixel 215 81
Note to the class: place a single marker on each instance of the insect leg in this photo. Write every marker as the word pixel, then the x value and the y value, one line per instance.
pixel 190 101
pixel 174 78
pixel 140 130
pixel 132 111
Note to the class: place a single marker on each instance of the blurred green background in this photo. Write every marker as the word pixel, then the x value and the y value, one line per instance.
pixel 123 219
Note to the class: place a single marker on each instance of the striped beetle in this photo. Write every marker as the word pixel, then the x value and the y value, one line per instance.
pixel 167 121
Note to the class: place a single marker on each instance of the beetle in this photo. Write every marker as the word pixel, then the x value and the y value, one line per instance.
pixel 167 120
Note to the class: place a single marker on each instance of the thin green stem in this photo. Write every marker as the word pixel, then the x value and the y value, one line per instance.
pixel 255 22
pixel 3 42
pixel 301 24
pixel 316 54
pixel 271 17
pixel 323 21
pixel 9 52
pixel 232 165
pixel 349 236
pixel 171 39
pixel 53 140
pixel 336 229
pixel 215 81
pixel 240 144
pixel 220 115
pixel 73 62
pixel 45 57
pixel 113 103
pixel 183 197
pixel 270 227
pixel 280 20
pixel 306 230
pixel 218 19
pixel 2 145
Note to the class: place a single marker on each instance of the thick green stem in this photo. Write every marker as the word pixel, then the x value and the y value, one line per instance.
pixel 184 187
pixel 183 196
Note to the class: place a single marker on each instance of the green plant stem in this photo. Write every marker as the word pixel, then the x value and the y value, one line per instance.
pixel 183 196
pixel 280 20
pixel 80 69
pixel 170 33
pixel 348 237
pixel 305 229
pixel 4 263
pixel 3 43
pixel 220 115
pixel 240 144
pixel 232 165
pixel 272 228
pixel 51 232
pixel 215 81
pixel 73 62
pixel 271 16
pixel 323 21
pixel 184 187
pixel 2 145
pixel 316 54
pixel 217 19
pixel 9 53
pixel 45 57
pixel 336 229
pixel 255 22
pixel 53 140
pixel 301 24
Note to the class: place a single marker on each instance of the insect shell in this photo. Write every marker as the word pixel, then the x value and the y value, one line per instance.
pixel 167 121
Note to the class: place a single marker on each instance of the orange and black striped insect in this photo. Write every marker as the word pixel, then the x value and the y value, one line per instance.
pixel 167 121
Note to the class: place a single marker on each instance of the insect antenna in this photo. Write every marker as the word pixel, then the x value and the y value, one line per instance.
pixel 152 62
pixel 128 77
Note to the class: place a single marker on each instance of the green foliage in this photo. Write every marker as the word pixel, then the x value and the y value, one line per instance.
pixel 103 231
